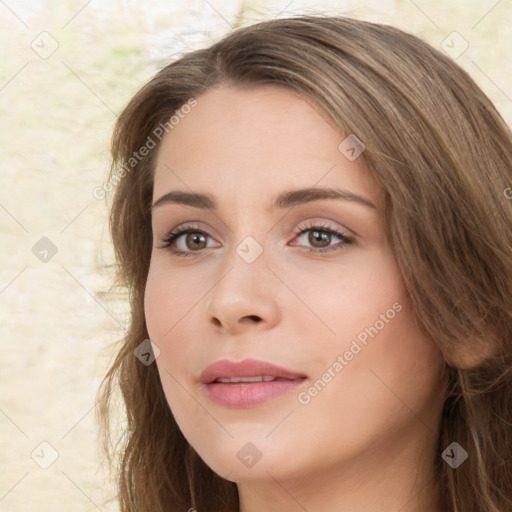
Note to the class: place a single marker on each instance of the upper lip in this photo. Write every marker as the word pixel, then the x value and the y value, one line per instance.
pixel 246 368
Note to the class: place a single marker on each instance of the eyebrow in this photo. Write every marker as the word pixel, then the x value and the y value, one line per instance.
pixel 284 200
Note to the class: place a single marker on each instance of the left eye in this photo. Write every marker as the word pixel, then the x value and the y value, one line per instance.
pixel 322 238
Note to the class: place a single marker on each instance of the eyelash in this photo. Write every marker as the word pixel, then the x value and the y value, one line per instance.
pixel 344 239
pixel 171 238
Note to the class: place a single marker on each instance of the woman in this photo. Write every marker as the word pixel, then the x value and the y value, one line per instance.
pixel 311 217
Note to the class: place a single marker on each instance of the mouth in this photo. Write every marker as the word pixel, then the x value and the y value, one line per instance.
pixel 236 380
pixel 248 383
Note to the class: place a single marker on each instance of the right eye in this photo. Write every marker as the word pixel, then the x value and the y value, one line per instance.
pixel 185 241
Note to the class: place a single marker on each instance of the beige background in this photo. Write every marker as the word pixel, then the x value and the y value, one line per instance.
pixel 58 319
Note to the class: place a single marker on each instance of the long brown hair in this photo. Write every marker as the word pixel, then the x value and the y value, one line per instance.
pixel 443 156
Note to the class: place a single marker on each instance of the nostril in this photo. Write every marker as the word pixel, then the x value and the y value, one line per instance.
pixel 255 318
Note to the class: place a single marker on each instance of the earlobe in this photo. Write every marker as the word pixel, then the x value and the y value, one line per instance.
pixel 469 355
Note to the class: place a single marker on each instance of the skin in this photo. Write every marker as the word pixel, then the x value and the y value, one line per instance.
pixel 367 440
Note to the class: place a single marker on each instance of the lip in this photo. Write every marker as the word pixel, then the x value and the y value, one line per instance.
pixel 248 394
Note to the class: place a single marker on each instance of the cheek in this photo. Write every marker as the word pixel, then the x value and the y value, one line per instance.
pixel 388 392
pixel 168 304
pixel 172 308
pixel 342 301
pixel 389 369
pixel 159 304
pixel 390 377
pixel 169 298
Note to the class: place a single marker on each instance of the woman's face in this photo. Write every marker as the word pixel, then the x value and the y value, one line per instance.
pixel 280 275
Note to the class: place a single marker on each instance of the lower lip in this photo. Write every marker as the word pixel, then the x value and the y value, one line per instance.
pixel 249 394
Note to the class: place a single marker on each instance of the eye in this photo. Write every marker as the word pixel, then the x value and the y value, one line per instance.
pixel 183 241
pixel 321 238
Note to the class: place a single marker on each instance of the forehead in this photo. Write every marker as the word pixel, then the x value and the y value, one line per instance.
pixel 260 138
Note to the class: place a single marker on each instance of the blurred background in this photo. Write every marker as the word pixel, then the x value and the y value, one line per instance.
pixel 67 68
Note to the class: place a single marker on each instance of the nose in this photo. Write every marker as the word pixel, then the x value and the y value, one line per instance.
pixel 244 298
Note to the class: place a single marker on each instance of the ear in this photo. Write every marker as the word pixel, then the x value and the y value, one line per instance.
pixel 469 354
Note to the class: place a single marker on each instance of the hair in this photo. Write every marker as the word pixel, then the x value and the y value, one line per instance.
pixel 441 153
